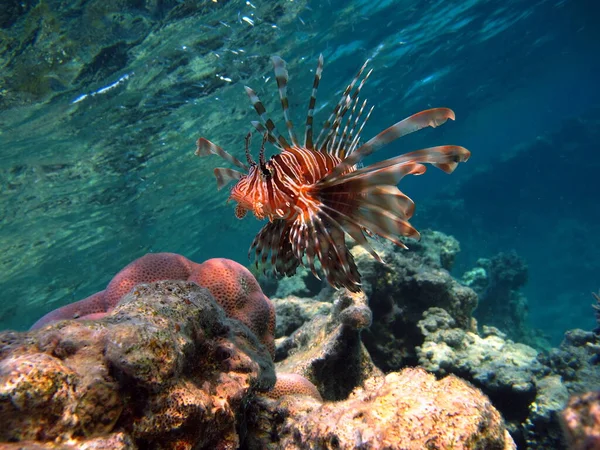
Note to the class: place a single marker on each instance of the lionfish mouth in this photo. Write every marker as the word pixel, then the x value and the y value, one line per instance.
pixel 314 194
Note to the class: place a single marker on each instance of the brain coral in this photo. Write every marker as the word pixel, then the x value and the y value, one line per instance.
pixel 293 384
pixel 230 283
pixel 147 269
pixel 238 292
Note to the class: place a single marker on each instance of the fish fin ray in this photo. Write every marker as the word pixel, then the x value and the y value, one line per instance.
pixel 204 147
pixel 428 118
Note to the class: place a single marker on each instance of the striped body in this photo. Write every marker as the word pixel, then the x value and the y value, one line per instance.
pixel 314 194
pixel 286 192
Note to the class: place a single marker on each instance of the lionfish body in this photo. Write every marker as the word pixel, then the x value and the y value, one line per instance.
pixel 314 194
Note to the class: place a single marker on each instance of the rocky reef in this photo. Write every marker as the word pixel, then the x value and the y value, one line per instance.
pixel 166 368
pixel 422 316
pixel 581 421
pixel 192 358
pixel 409 409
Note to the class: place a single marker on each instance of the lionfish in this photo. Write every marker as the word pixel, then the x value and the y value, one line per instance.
pixel 315 193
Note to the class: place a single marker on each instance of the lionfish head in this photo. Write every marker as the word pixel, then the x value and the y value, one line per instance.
pixel 244 195
pixel 244 191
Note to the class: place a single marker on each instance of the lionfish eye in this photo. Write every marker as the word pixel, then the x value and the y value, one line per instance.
pixel 265 171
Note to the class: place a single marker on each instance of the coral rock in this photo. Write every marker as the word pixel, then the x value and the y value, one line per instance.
pixel 42 386
pixel 328 350
pixel 293 312
pixel 231 284
pixel 293 384
pixel 542 429
pixel 581 421
pixel 504 370
pixel 114 441
pixel 406 410
pixel 400 291
pixel 166 367
pixel 238 292
pixel 576 361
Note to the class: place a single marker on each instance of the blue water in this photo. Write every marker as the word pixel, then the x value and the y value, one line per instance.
pixel 98 168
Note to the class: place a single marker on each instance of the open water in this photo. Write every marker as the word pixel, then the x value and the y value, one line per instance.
pixel 101 102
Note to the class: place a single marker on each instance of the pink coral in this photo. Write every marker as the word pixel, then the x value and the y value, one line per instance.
pixel 238 292
pixel 147 269
pixel 230 283
pixel 580 421
pixel 293 384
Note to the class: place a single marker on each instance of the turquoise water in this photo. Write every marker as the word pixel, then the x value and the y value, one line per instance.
pixel 102 101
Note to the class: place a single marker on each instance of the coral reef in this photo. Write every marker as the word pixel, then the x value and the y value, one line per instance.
pixel 576 361
pixel 498 282
pixel 328 350
pixel 406 410
pixel 113 441
pixel 572 369
pixel 400 291
pixel 541 429
pixel 230 283
pixel 293 384
pixel 293 312
pixel 505 370
pixel 156 373
pixel 238 292
pixel 529 388
pixel 581 421
pixel 166 367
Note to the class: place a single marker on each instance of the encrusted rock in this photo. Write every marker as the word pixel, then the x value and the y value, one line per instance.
pixel 401 290
pixel 581 421
pixel 293 312
pixel 576 361
pixel 406 410
pixel 542 428
pixel 491 362
pixel 166 369
pixel 506 371
pixel 113 441
pixel 328 350
pixel 498 282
